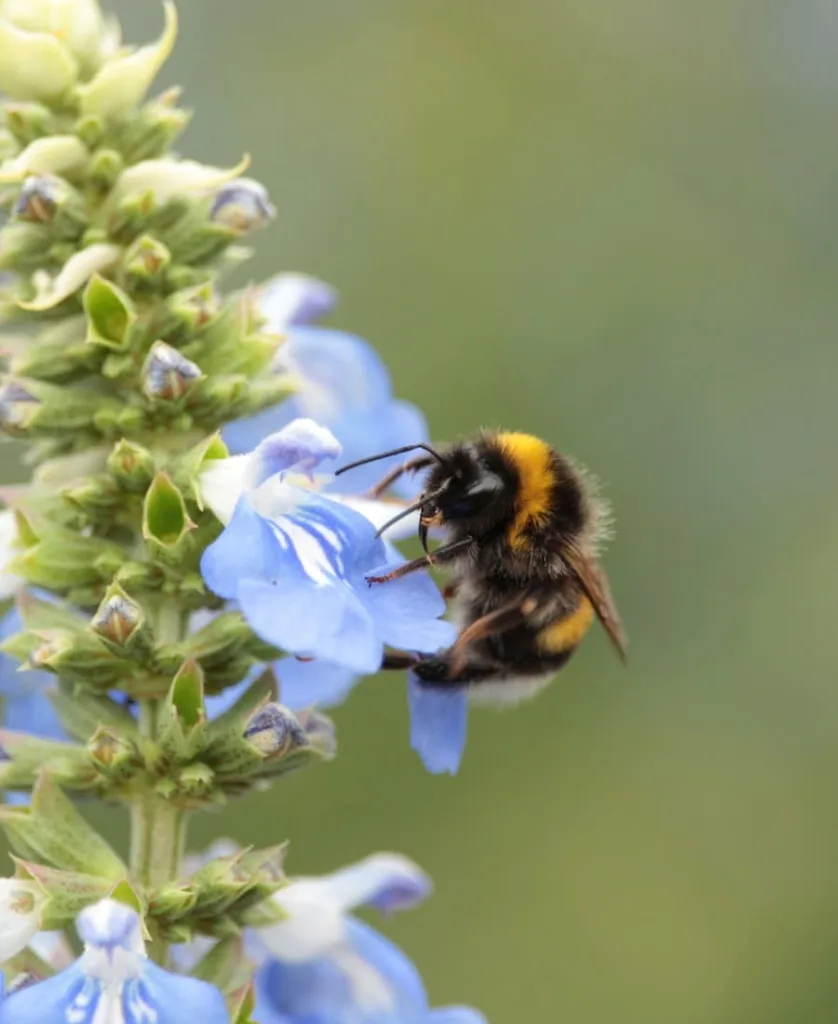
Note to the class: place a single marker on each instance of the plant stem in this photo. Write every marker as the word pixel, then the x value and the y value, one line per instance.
pixel 158 827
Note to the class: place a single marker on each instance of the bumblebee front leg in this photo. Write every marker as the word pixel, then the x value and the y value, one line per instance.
pixel 447 553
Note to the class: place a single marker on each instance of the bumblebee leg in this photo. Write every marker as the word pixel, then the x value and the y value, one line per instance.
pixel 411 466
pixel 439 557
pixel 501 620
pixel 436 673
pixel 398 660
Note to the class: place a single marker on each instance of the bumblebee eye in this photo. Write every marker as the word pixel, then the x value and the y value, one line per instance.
pixel 475 498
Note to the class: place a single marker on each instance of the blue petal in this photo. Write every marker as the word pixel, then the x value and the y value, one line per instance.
pixel 218 703
pixel 295 299
pixel 455 1015
pixel 303 617
pixel 316 992
pixel 304 683
pixel 368 431
pixel 339 370
pixel 438 722
pixel 403 979
pixel 177 998
pixel 156 995
pixel 405 611
pixel 33 712
pixel 244 550
pixel 301 446
pixel 388 882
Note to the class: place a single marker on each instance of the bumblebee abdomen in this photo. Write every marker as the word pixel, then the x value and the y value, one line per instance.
pixel 566 632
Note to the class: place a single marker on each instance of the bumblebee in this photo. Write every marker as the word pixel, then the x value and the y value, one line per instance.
pixel 522 524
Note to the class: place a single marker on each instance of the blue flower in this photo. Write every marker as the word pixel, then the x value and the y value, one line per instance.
pixel 326 967
pixel 26 707
pixel 296 561
pixel 114 981
pixel 342 383
pixel 438 721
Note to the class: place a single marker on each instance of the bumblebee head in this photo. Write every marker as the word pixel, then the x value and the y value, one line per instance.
pixel 471 490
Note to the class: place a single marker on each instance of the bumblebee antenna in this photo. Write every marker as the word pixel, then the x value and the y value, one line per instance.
pixel 386 455
pixel 423 500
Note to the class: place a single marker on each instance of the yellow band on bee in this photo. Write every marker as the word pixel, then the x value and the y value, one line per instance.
pixel 534 461
pixel 567 632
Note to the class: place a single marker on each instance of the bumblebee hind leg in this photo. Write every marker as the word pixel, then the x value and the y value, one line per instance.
pixel 446 671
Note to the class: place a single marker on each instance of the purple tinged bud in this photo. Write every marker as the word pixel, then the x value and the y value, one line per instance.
pixel 168 375
pixel 39 198
pixel 274 731
pixel 16 406
pixel 116 619
pixel 242 206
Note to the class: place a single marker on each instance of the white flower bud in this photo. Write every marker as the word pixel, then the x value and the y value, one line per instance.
pixel 20 904
pixel 9 583
pixel 77 271
pixel 34 65
pixel 166 179
pixel 56 154
pixel 78 24
pixel 125 78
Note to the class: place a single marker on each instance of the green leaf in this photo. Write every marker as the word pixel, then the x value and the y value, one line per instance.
pixel 27 755
pixel 59 835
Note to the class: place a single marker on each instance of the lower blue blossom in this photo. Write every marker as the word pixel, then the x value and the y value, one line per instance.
pixel 296 562
pixel 341 382
pixel 326 967
pixel 113 982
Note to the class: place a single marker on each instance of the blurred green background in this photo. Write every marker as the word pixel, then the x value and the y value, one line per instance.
pixel 611 223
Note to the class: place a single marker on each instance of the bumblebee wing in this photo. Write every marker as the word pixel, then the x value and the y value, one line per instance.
pixel 593 581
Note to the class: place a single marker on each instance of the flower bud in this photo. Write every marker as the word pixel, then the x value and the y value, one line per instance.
pixel 167 375
pixel 125 77
pixel 75 273
pixel 118 620
pixel 17 408
pixel 55 154
pixel 29 121
pixel 274 731
pixel 80 657
pixel 106 165
pixel 189 311
pixel 168 178
pixel 20 906
pixel 114 756
pixel 35 66
pixel 242 206
pixel 146 261
pixel 132 466
pixel 33 407
pixel 46 199
pixel 78 24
